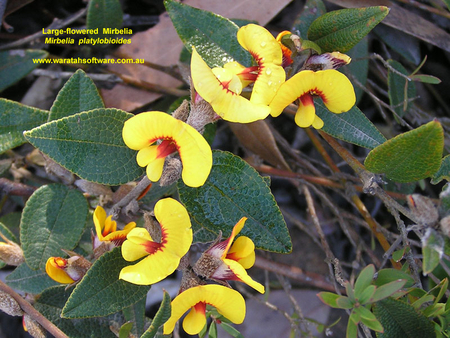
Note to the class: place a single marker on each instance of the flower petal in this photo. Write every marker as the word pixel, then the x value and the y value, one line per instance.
pixel 155 169
pixel 99 221
pixel 242 275
pixel 55 270
pixel 236 230
pixel 228 303
pixel 195 320
pixel 243 252
pixel 146 155
pixel 134 247
pixel 228 105
pixel 306 112
pixel 318 122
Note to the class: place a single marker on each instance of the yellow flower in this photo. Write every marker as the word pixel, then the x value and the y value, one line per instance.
pixel 160 258
pixel 67 271
pixel 227 260
pixel 228 302
pixel 106 229
pixel 286 51
pixel 142 132
pixel 333 87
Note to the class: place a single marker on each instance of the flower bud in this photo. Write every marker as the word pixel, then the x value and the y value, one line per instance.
pixel 9 305
pixel 423 210
pixel 11 253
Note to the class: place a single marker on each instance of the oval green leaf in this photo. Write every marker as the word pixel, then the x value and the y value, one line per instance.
pixel 213 36
pixel 342 29
pixel 364 280
pixel 104 14
pixel 53 219
pixel 234 190
pixel 352 126
pixel 78 94
pixel 410 156
pixel 15 118
pixel 163 314
pixel 50 305
pixel 29 281
pixel 400 319
pixel 16 64
pixel 101 292
pixel 90 145
pixel 387 290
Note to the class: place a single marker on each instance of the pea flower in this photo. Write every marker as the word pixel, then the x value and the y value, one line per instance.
pixel 228 302
pixel 106 229
pixel 157 135
pixel 227 260
pixel 333 87
pixel 287 60
pixel 163 257
pixel 221 86
pixel 67 271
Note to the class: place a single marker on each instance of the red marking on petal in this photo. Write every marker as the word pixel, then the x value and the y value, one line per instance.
pixel 200 307
pixel 152 247
pixel 144 192
pixel 250 73
pixel 167 147
pixel 320 93
pixel 60 262
pixel 118 240
pixel 306 99
pixel 234 256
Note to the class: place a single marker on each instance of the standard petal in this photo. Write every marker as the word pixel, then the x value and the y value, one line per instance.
pixel 228 303
pixel 54 269
pixel 228 105
pixel 336 90
pixel 242 275
pixel 195 320
pixel 269 80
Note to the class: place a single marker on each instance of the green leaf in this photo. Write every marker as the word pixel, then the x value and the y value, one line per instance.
pixel 310 12
pixel 329 298
pixel 78 94
pixel 103 14
pixel 136 314
pixel 29 281
pixel 385 276
pixel 352 326
pixel 50 304
pixel 352 126
pixel 365 313
pixel 342 29
pixel 400 320
pixel 16 64
pixel 90 145
pixel 364 280
pixel 15 118
pixel 234 190
pixel 432 250
pixel 125 330
pixel 387 290
pixel 53 219
pixel 100 292
pixel 213 36
pixel 426 78
pixel 367 294
pixel 231 330
pixel 410 156
pixel 359 67
pixel 397 99
pixel 163 314
pixel 345 302
pixel 212 332
pixel 443 172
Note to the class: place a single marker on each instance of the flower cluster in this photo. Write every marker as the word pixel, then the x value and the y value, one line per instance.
pixel 221 87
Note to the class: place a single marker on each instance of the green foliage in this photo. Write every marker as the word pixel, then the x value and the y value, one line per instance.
pixel 78 94
pixel 101 292
pixel 77 142
pixel 16 64
pixel 53 219
pixel 104 14
pixel 352 126
pixel 432 250
pixel 358 67
pixel 443 172
pixel 14 120
pixel 213 36
pixel 30 281
pixel 135 314
pixel 410 156
pixel 341 30
pixel 160 318
pixel 401 320
pixel 398 87
pixel 237 190
pixel 312 10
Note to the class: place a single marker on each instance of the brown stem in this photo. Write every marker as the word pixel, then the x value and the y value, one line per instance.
pixel 15 188
pixel 33 313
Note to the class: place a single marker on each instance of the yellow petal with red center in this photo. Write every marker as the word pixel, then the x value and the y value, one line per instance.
pixel 134 247
pixel 236 230
pixel 110 226
pixel 228 303
pixel 228 79
pixel 230 106
pixel 195 320
pixel 99 221
pixel 118 234
pixel 242 275
pixel 241 72
pixel 55 270
pixel 336 90
pixel 268 54
pixel 243 252
pixel 144 129
pixel 176 239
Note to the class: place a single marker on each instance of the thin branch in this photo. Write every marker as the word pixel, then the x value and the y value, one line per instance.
pixel 131 196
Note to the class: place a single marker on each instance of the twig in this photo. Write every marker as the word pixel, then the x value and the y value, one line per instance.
pixel 427 8
pixel 33 313
pixel 131 196
pixel 15 188
pixel 56 24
